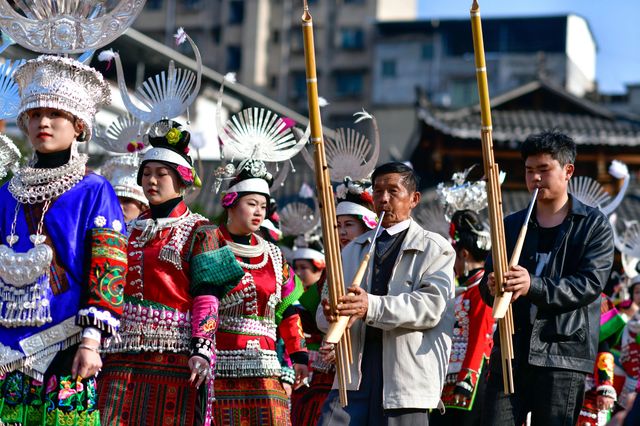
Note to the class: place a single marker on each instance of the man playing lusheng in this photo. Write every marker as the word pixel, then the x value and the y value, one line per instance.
pixel 564 265
pixel 402 315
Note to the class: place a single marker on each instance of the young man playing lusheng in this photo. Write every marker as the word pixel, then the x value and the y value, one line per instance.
pixel 564 265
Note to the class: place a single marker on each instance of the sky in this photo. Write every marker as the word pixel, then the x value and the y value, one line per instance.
pixel 614 24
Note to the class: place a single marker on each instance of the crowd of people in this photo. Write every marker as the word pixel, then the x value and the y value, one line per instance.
pixel 121 306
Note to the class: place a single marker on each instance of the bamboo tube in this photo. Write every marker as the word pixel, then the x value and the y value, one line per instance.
pixel 336 329
pixel 335 279
pixel 494 197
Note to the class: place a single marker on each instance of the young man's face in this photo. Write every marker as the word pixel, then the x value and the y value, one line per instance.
pixel 546 173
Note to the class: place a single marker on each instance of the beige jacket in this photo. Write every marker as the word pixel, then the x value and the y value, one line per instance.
pixel 416 316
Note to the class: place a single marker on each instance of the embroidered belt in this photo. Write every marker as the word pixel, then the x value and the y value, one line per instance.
pixel 248 326
pixel 152 328
pixel 252 361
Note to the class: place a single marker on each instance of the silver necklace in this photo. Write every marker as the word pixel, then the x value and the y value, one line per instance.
pixel 249 251
pixel 32 185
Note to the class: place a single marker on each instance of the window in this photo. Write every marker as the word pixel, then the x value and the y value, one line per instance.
pixel 353 1
pixel 234 58
pixel 236 12
pixel 427 51
pixel 352 38
pixel 389 68
pixel 349 83
pixel 275 37
pixel 299 84
pixel 273 82
pixel 154 4
pixel 297 41
pixel 215 34
pixel 192 4
pixel 463 92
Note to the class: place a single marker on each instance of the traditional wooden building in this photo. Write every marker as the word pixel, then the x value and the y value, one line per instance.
pixel 449 141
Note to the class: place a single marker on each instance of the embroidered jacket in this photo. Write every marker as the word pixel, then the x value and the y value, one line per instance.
pixel 169 306
pixel 83 228
pixel 630 355
pixel 471 343
pixel 251 311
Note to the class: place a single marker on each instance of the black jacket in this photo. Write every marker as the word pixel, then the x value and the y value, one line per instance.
pixel 565 331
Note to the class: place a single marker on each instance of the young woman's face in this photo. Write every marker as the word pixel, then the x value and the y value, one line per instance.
pixel 246 216
pixel 131 208
pixel 160 183
pixel 349 227
pixel 51 130
pixel 307 273
pixel 636 295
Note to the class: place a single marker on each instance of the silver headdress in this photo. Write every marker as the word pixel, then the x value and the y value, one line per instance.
pixel 9 93
pixel 166 95
pixel 9 155
pixel 350 154
pixel 299 219
pixel 61 83
pixel 591 193
pixel 256 133
pixel 463 195
pixel 67 26
pixel 122 171
pixel 628 244
pixel 124 135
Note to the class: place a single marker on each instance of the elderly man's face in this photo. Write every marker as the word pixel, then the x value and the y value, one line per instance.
pixel 391 196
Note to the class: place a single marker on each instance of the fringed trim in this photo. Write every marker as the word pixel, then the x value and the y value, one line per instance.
pixel 250 362
pixel 149 328
pixel 171 255
pixel 102 320
pixel 39 347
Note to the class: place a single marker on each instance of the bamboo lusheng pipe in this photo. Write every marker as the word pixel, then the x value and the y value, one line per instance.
pixel 494 196
pixel 335 279
pixel 337 328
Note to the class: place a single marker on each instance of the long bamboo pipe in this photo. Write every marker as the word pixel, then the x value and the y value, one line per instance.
pixel 494 196
pixel 326 202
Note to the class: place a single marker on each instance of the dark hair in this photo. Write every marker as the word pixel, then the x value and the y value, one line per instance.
pixel 409 178
pixel 557 144
pixel 465 226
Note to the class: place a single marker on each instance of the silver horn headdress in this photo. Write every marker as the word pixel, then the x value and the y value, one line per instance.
pixel 350 154
pixel 166 95
pixel 590 192
pixel 67 26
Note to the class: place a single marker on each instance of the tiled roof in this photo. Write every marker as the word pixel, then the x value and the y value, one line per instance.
pixel 516 125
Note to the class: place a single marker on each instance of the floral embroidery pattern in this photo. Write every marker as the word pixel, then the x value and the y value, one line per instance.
pixel 209 323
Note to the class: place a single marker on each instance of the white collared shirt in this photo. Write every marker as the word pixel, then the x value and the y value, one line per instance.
pixel 398 227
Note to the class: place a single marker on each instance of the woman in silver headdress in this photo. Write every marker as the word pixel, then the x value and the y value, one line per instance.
pixel 62 267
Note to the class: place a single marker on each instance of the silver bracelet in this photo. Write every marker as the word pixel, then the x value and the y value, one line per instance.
pixel 91 348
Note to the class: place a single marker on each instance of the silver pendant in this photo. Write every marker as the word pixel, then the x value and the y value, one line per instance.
pixel 37 239
pixel 12 239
